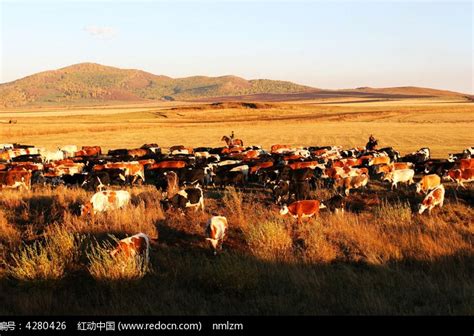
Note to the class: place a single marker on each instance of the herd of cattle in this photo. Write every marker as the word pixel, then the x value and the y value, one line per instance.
pixel 291 173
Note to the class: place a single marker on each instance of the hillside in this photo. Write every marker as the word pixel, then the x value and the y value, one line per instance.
pixel 89 81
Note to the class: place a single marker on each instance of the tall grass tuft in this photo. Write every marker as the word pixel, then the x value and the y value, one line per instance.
pixel 269 240
pixel 233 201
pixel 48 259
pixel 104 267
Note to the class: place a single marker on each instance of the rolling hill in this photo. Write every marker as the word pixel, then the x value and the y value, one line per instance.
pixel 92 83
pixel 89 81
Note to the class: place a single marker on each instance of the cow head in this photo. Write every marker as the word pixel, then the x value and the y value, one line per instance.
pixel 388 177
pixel 284 210
pixel 214 244
pixel 86 208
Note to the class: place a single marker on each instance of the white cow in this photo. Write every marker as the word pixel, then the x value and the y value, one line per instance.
pixel 401 175
pixel 106 200
pixel 49 156
pixel 68 150
pixel 215 231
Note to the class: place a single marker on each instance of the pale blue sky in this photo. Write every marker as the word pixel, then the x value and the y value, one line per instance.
pixel 323 44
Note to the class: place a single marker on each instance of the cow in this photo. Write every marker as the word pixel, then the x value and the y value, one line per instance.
pixel 466 164
pixel 96 180
pixel 168 165
pixel 236 178
pixel 336 204
pixel 89 151
pixel 351 182
pixel 427 183
pixel 68 150
pixel 191 197
pixel 132 168
pixel 136 246
pixel 216 228
pixel 280 190
pixel 402 175
pixel 302 209
pixel 194 176
pixel 107 200
pixel 435 197
pixel 460 176
pixel 379 160
pixel 304 164
pixel 12 179
pixel 52 156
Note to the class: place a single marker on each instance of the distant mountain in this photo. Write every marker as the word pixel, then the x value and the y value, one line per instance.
pixel 94 83
pixel 86 82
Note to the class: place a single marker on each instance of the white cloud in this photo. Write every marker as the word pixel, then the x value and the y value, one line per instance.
pixel 102 33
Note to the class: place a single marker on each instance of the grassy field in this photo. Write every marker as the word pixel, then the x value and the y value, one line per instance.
pixel 379 258
pixel 443 125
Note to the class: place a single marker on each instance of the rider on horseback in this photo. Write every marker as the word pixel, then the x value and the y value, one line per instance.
pixel 372 143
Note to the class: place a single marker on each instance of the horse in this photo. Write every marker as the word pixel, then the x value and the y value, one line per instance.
pixel 232 142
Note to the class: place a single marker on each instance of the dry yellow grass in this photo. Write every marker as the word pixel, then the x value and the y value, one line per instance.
pixel 407 125
pixel 385 259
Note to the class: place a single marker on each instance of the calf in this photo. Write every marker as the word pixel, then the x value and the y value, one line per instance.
pixel 427 183
pixel 215 231
pixel 402 175
pixel 434 198
pixel 302 209
pixel 106 200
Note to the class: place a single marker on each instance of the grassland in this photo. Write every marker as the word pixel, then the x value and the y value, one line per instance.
pixel 443 125
pixel 380 258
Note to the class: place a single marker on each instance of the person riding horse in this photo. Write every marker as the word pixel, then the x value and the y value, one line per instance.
pixel 372 143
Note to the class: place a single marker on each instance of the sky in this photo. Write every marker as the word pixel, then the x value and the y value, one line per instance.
pixel 332 45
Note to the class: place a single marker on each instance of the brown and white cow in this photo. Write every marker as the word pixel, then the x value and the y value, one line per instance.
pixel 107 200
pixel 136 246
pixel 12 179
pixel 435 197
pixel 216 231
pixel 427 183
pixel 352 182
pixel 460 176
pixel 302 209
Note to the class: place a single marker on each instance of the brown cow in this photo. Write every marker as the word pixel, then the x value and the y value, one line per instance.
pixel 260 165
pixel 168 165
pixel 305 164
pixel 466 164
